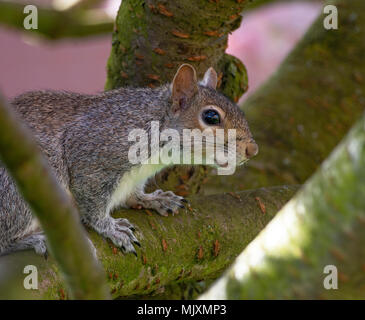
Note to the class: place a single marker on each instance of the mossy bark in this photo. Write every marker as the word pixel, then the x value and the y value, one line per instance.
pixel 308 105
pixel 152 39
pixel 323 225
pixel 196 244
pixel 52 206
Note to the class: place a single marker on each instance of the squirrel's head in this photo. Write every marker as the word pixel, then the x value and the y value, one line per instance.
pixel 197 105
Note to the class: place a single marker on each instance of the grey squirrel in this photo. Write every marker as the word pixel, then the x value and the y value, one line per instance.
pixel 84 138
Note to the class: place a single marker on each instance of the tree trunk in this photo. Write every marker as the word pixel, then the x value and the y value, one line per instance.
pixel 306 108
pixel 197 244
pixel 323 225
pixel 152 39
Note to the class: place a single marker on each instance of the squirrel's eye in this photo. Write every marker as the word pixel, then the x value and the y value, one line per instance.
pixel 211 117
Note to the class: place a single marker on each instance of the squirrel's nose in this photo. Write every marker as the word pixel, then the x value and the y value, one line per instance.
pixel 251 149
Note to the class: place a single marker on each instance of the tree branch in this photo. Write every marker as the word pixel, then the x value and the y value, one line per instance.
pixel 52 206
pixel 196 244
pixel 54 24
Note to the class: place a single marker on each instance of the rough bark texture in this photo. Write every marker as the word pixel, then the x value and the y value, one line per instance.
pixel 196 244
pixel 309 104
pixel 152 38
pixel 322 225
pixel 53 208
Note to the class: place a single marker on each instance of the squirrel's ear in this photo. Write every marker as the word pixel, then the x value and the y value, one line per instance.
pixel 210 79
pixel 184 86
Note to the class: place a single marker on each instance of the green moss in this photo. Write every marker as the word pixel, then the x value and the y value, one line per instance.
pixel 234 79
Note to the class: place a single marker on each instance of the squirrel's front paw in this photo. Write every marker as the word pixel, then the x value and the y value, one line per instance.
pixel 120 232
pixel 163 202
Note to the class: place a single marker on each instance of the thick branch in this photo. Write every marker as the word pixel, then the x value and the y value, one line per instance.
pixel 322 226
pixel 52 206
pixel 196 244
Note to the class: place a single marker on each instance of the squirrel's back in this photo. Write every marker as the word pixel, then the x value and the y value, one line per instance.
pixel 57 109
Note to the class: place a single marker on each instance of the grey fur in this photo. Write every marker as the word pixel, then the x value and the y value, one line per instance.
pixel 84 138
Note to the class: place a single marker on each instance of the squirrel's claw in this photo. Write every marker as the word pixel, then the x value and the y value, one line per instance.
pixel 132 250
pixel 164 202
pixel 119 231
pixel 125 223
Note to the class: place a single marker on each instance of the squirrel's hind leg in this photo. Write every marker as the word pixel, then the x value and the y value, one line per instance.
pixel 36 241
pixel 164 202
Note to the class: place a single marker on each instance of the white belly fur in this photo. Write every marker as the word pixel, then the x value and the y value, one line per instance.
pixel 33 227
pixel 136 178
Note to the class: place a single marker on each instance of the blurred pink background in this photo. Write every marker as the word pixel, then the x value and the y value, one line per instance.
pixel 262 42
